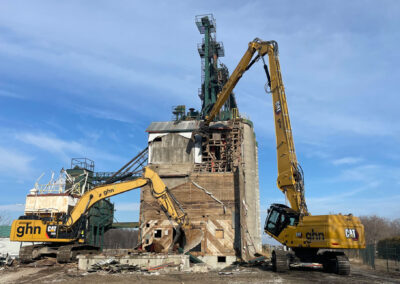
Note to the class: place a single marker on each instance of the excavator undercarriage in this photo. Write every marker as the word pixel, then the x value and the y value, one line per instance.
pixel 330 261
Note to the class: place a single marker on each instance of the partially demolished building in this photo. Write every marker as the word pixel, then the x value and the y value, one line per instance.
pixel 214 177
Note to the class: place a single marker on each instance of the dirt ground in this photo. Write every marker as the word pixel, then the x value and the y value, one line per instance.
pixel 68 273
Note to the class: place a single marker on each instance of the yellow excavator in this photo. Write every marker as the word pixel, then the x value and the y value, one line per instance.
pixel 311 240
pixel 66 237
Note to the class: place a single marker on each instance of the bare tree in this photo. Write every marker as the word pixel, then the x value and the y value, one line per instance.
pixel 396 227
pixel 377 228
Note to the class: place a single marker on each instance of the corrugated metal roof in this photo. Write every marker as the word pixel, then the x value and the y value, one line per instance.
pixel 181 126
pixel 5 231
pixel 173 126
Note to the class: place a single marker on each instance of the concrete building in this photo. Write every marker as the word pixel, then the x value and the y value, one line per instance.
pixel 215 179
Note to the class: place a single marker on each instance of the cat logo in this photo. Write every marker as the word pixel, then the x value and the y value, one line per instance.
pixel 351 234
pixel 278 108
pixel 51 230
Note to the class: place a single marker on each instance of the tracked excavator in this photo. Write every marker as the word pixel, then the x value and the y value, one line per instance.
pixel 309 240
pixel 66 236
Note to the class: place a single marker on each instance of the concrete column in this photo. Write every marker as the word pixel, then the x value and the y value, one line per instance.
pixel 252 191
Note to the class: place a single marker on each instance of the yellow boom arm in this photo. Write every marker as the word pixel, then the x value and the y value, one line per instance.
pixel 159 191
pixel 290 178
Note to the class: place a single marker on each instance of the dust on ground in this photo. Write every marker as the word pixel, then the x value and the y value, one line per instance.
pixel 48 272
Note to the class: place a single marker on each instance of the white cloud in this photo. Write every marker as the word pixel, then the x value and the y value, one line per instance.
pixel 65 149
pixel 375 192
pixel 104 114
pixel 364 173
pixel 4 93
pixel 51 144
pixel 346 161
pixel 14 163
pixel 54 145
pixel 12 207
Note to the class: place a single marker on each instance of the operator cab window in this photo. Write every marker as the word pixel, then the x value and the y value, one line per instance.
pixel 278 221
pixel 271 222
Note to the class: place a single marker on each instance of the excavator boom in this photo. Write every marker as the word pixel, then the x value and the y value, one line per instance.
pixel 290 178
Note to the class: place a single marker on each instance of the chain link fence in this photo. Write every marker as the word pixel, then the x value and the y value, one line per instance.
pixel 381 258
pixel 368 255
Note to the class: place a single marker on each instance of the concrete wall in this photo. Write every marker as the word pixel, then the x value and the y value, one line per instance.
pixel 171 148
pixel 216 262
pixel 173 175
pixel 251 184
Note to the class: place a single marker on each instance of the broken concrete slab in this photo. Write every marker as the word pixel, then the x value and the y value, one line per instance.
pixel 145 261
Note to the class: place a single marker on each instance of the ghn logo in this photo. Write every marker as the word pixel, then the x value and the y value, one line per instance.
pixel 278 108
pixel 351 234
pixel 314 236
pixel 28 229
pixel 107 191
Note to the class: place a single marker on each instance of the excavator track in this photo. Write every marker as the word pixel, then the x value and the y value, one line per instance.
pixel 280 261
pixel 64 253
pixel 68 253
pixel 25 254
pixel 342 265
pixel 336 262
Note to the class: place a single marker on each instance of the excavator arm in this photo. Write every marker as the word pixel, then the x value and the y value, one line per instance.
pixel 99 193
pixel 245 63
pixel 158 188
pixel 290 176
pixel 165 199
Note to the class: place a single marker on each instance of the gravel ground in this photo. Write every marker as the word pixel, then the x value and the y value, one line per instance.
pixel 68 273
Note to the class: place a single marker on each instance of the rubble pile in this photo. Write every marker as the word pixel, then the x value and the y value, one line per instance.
pixel 113 266
pixel 6 259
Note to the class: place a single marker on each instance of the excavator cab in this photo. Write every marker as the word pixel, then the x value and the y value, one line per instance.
pixel 279 217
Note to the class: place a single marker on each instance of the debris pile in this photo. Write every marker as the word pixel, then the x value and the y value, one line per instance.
pixel 48 261
pixel 6 260
pixel 113 266
pixel 240 268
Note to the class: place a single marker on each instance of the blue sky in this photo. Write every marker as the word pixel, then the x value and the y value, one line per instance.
pixel 85 79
